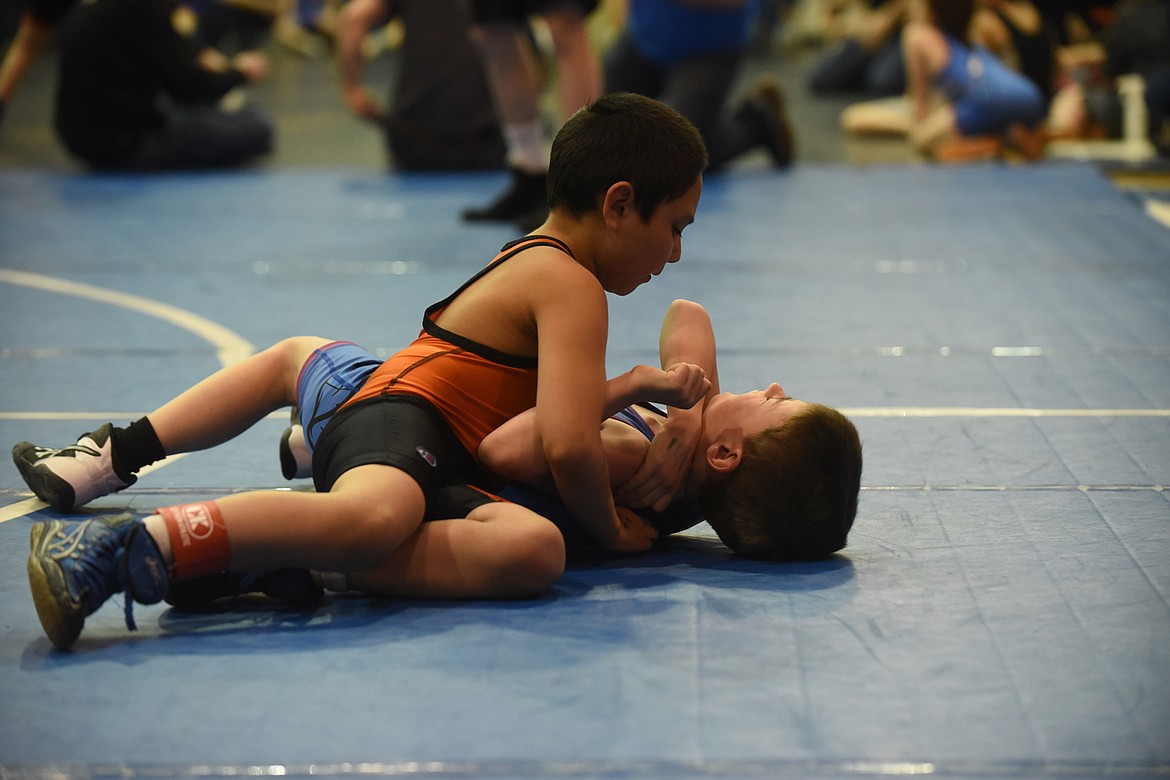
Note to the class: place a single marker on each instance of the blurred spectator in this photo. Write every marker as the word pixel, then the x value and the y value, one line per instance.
pixel 687 53
pixel 982 99
pixel 1139 43
pixel 1018 34
pixel 500 30
pixel 868 60
pixel 440 114
pixel 135 94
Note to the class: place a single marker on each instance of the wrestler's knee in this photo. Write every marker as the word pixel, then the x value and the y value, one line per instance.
pixel 286 358
pixel 528 553
pixel 376 509
pixel 295 350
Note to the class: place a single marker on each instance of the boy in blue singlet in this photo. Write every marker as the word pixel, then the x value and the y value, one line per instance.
pixel 624 181
pixel 776 478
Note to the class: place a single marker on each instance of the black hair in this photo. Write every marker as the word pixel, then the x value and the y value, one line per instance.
pixel 624 137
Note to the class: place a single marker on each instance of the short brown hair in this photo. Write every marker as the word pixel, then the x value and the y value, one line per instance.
pixel 794 494
pixel 624 137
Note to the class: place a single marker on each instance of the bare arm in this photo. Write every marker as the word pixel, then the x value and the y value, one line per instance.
pixel 688 338
pixel 514 449
pixel 571 316
pixel 915 41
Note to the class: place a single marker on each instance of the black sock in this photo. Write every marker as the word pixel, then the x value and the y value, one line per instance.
pixel 134 447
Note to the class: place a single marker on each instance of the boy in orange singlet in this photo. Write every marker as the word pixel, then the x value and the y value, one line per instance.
pixel 777 478
pixel 396 453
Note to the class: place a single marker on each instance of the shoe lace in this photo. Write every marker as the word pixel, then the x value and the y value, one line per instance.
pixel 95 580
pixel 128 613
pixel 124 589
pixel 40 453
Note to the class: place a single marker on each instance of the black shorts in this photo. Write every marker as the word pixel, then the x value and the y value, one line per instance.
pixel 408 434
pixel 518 11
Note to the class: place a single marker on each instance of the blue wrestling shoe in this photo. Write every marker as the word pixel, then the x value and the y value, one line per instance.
pixel 75 567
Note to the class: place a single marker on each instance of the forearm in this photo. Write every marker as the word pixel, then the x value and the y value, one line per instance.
pixel 687 336
pixel 515 451
pixel 686 345
pixel 638 384
pixel 582 482
pixel 568 427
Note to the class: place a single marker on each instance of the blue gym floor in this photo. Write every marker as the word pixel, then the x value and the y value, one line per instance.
pixel 1000 335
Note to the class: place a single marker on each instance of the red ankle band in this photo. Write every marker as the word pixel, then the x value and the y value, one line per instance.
pixel 199 541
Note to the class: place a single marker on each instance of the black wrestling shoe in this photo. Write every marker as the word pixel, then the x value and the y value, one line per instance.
pixel 293 586
pixel 530 220
pixel 529 191
pixel 765 103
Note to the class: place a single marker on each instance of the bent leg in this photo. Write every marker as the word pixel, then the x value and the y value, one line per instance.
pixel 577 63
pixel 198 137
pixel 511 70
pixel 75 567
pixel 500 550
pixel 698 88
pixel 233 399
pixel 371 511
pixel 627 70
pixel 842 70
pixel 881 116
pixel 213 411
pixel 936 127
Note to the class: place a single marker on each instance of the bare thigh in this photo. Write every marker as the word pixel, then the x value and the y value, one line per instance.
pixel 233 399
pixel 500 550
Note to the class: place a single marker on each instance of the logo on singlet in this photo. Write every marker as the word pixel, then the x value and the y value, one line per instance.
pixel 427 456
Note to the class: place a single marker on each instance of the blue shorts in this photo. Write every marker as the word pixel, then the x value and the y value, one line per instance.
pixel 400 431
pixel 329 378
pixel 988 97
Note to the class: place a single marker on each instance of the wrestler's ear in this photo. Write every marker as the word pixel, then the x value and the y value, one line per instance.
pixel 618 203
pixel 724 456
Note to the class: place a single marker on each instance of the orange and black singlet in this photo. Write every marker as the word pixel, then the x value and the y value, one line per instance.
pixel 474 387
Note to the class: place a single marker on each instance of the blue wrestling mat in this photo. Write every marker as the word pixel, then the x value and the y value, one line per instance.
pixel 1000 336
